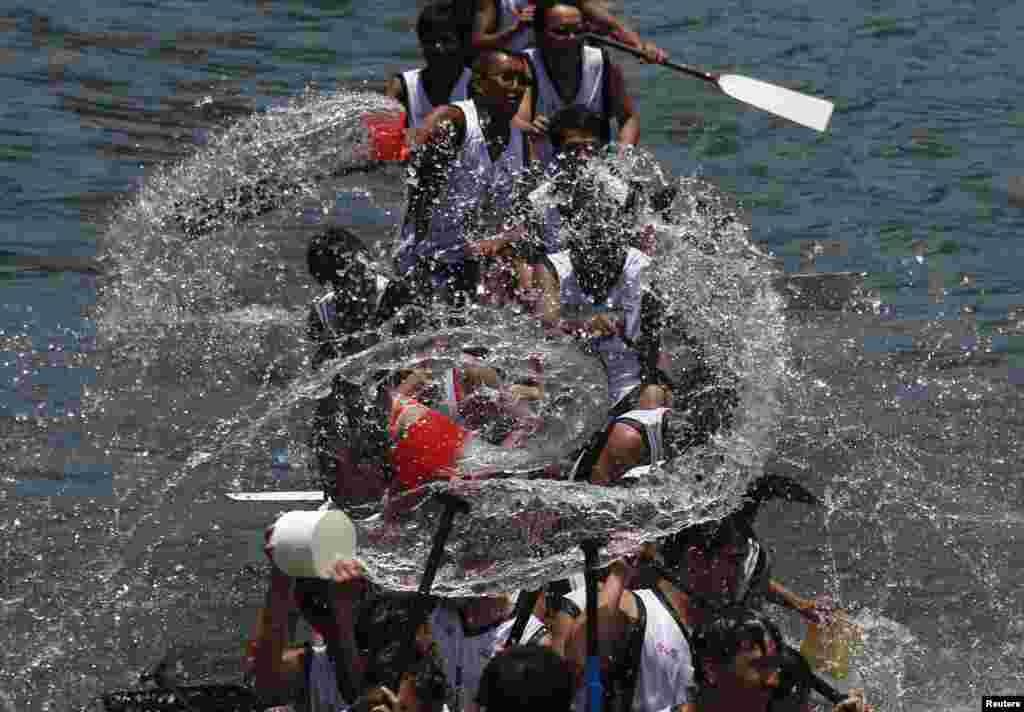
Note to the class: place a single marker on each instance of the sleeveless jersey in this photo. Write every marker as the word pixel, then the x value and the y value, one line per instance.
pixel 648 421
pixel 416 95
pixel 466 656
pixel 477 187
pixel 621 362
pixel 592 93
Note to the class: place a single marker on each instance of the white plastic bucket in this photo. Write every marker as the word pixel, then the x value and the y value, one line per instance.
pixel 309 543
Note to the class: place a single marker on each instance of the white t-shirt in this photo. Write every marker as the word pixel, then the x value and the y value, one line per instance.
pixel 465 657
pixel 666 666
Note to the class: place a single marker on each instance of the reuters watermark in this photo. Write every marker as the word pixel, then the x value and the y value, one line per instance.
pixel 1002 702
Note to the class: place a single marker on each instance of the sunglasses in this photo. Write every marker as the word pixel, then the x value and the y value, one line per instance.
pixel 567 31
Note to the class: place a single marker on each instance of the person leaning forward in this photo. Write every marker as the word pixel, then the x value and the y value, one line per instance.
pixel 566 72
pixel 465 180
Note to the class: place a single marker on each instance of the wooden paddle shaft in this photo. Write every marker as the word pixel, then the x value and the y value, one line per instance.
pixel 684 68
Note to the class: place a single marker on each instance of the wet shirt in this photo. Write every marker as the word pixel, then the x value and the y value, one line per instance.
pixel 419 102
pixel 480 192
pixel 621 361
pixel 466 655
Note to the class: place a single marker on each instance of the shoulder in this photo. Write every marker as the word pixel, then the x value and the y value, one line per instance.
pixel 395 88
pixel 624 436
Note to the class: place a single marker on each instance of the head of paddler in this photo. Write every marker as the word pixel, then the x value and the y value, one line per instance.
pixel 575 131
pixel 337 258
pixel 598 257
pixel 711 563
pixel 444 48
pixel 738 658
pixel 559 25
pixel 499 82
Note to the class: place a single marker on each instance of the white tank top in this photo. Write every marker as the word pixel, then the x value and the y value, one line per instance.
pixel 465 657
pixel 548 101
pixel 666 667
pixel 622 363
pixel 507 18
pixel 477 187
pixel 419 102
pixel 650 419
pixel 322 683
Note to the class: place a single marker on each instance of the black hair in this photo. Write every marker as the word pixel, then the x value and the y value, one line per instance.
pixel 527 677
pixel 706 537
pixel 541 11
pixel 436 17
pixel 599 257
pixel 331 250
pixel 720 639
pixel 575 117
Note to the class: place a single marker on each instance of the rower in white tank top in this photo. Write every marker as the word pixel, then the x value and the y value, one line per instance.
pixel 465 655
pixel 666 664
pixel 648 421
pixel 473 180
pixel 621 362
pixel 592 93
pixel 419 103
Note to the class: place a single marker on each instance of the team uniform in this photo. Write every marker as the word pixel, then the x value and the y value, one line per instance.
pixel 466 654
pixel 657 673
pixel 592 93
pixel 417 101
pixel 623 363
pixel 648 422
pixel 480 192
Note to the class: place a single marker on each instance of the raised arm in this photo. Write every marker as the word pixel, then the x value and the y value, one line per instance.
pixel 444 134
pixel 486 35
pixel 622 106
pixel 598 14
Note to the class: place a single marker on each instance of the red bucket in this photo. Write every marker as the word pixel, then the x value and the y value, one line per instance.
pixel 387 136
pixel 428 450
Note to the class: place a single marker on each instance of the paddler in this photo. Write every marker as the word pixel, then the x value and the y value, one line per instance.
pixel 348 436
pixel 597 290
pixel 464 182
pixel 326 672
pixel 508 25
pixel 445 78
pixel 740 664
pixel 566 72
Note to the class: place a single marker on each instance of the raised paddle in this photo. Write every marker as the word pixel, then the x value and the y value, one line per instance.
pixel 799 108
pixel 452 505
pixel 592 671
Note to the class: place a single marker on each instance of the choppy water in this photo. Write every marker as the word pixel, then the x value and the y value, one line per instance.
pixel 903 413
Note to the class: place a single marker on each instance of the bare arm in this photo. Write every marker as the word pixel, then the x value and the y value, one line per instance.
pixel 396 90
pixel 549 307
pixel 622 107
pixel 444 134
pixel 486 35
pixel 596 11
pixel 275 666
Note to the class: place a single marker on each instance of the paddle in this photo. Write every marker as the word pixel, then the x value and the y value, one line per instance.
pixel 524 609
pixel 452 505
pixel 799 108
pixel 592 673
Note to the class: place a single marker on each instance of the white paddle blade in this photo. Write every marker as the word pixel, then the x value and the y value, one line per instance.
pixel 291 496
pixel 799 108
